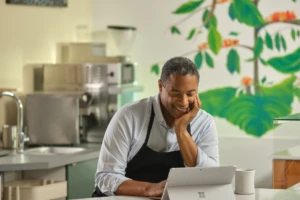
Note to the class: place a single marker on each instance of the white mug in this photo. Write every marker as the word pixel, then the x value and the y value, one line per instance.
pixel 244 181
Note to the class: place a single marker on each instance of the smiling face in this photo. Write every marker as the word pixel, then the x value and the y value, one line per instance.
pixel 177 95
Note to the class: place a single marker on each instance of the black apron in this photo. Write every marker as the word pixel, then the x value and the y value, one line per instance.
pixel 148 165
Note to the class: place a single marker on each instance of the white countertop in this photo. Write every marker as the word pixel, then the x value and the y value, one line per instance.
pixel 260 194
pixel 292 153
pixel 21 162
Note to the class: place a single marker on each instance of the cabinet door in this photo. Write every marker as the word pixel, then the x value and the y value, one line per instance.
pixel 81 179
pixel 286 173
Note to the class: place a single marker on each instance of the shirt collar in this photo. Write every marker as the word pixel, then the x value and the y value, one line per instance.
pixel 157 110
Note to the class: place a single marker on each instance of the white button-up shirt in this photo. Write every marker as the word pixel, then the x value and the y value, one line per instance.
pixel 127 132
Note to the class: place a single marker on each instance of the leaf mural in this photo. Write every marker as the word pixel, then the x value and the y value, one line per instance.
pixel 212 21
pixel 191 34
pixel 269 41
pixel 155 69
pixel 209 60
pixel 246 12
pixel 286 64
pixel 297 93
pixel 253 105
pixel 234 33
pixel 188 7
pixel 214 101
pixel 264 79
pixel 214 40
pixel 175 30
pixel 233 61
pixel 255 113
pixel 263 62
pixel 231 12
pixel 198 59
pixel 283 43
pixel 283 90
pixel 258 48
pixel 277 41
pixel 293 34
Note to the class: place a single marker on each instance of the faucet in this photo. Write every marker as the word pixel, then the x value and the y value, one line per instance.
pixel 21 137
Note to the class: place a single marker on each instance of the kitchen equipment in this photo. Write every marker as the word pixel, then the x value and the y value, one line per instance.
pixel 35 190
pixel 20 137
pixel 102 88
pixel 121 39
pixel 53 118
pixel 9 137
pixel 74 52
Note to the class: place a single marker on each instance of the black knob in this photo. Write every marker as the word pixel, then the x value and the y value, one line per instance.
pixel 111 74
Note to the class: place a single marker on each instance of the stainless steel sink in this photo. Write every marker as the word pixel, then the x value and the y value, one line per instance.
pixel 55 150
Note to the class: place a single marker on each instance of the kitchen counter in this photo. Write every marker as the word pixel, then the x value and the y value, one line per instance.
pixel 292 153
pixel 20 162
pixel 260 194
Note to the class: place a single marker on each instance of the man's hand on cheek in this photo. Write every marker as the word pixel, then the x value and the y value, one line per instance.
pixel 182 122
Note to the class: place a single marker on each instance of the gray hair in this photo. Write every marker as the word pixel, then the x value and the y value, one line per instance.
pixel 178 65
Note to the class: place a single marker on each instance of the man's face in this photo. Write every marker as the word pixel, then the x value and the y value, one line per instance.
pixel 178 94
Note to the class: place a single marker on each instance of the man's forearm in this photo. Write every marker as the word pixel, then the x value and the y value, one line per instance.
pixel 133 188
pixel 188 148
pixel 139 188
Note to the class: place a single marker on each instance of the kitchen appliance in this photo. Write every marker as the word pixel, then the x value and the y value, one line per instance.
pixel 53 118
pixel 74 52
pixel 9 137
pixel 99 91
pixel 121 39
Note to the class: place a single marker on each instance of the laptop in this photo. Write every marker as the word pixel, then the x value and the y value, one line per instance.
pixel 200 183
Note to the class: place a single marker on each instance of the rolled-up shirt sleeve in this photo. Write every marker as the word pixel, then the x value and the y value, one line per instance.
pixel 207 142
pixel 114 153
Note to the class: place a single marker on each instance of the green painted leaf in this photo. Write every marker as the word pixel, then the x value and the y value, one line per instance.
pixel 233 61
pixel 286 64
pixel 214 101
pixel 198 60
pixel 155 69
pixel 175 30
pixel 263 62
pixel 255 113
pixel 214 40
pixel 246 12
pixel 269 41
pixel 293 34
pixel 191 34
pixel 294 0
pixel 259 46
pixel 283 43
pixel 231 12
pixel 212 21
pixel 188 7
pixel 297 93
pixel 209 60
pixel 283 91
pixel 277 41
pixel 250 60
pixel 234 33
pixel 263 80
pixel 298 33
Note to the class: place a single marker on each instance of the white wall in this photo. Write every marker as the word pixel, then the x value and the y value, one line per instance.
pixel 30 33
pixel 154 43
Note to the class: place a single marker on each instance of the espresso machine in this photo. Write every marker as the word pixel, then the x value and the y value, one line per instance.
pixel 102 84
pixel 100 90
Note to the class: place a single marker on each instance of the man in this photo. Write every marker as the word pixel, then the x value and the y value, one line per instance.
pixel 145 139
